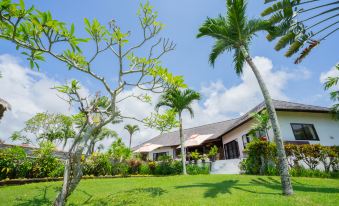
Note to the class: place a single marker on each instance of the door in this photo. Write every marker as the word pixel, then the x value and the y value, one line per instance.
pixel 232 150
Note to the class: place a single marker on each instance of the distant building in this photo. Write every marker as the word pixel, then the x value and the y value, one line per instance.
pixel 30 149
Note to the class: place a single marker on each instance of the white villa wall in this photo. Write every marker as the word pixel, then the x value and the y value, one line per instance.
pixel 326 128
pixel 170 151
pixel 237 134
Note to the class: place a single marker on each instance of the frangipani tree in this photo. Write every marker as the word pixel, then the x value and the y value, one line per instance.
pixel 38 35
pixel 234 32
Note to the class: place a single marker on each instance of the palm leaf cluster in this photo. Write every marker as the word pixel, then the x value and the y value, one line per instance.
pixel 331 83
pixel 300 25
pixel 178 100
pixel 231 32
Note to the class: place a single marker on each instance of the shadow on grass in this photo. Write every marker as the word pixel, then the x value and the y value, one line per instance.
pixel 214 188
pixel 122 198
pixel 276 185
pixel 40 199
pixel 224 187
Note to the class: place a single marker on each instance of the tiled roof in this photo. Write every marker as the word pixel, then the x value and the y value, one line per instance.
pixel 220 128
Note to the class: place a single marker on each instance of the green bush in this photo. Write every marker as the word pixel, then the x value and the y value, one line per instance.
pixel 14 163
pixel 261 158
pixel 97 164
pixel 194 169
pixel 134 166
pixel 145 169
pixel 302 172
pixel 120 168
pixel 45 162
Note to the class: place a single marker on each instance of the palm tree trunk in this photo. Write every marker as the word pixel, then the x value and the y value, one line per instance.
pixel 283 166
pixel 183 154
pixel 130 141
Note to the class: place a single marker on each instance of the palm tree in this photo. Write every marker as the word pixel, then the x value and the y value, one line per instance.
pixel 234 32
pixel 178 101
pixel 331 82
pixel 300 23
pixel 131 130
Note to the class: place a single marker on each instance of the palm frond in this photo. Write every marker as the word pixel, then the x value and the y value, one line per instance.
pixel 219 47
pixel 239 61
pixel 306 51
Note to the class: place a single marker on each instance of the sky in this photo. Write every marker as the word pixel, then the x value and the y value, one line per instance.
pixel 225 95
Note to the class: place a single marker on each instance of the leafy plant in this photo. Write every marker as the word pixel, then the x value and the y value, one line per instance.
pixel 213 152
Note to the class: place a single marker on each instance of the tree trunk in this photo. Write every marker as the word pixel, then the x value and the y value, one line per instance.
pixel 72 172
pixel 283 166
pixel 130 141
pixel 183 154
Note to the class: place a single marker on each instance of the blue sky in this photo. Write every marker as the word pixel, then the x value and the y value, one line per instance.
pixel 182 19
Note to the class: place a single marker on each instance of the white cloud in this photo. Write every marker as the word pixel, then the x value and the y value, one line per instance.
pixel 240 98
pixel 28 92
pixel 333 72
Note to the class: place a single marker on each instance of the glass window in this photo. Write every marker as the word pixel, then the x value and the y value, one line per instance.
pixel 304 131
pixel 159 154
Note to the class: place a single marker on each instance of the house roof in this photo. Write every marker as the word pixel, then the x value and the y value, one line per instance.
pixel 279 106
pixel 218 129
pixel 214 131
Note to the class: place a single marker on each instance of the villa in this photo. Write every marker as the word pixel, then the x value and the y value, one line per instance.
pixel 300 124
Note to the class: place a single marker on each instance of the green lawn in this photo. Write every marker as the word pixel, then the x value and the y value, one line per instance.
pixel 180 190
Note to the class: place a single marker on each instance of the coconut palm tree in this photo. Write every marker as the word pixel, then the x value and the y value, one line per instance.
pixel 234 32
pixel 131 130
pixel 178 101
pixel 301 23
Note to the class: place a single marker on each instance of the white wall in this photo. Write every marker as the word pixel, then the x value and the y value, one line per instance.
pixel 170 151
pixel 237 134
pixel 326 128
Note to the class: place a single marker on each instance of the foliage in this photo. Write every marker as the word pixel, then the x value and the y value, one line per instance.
pixel 163 122
pixel 178 100
pixel 232 32
pixel 262 120
pixel 134 166
pixel 120 168
pixel 303 172
pixel 213 151
pixel 261 157
pixel 331 82
pixel 46 127
pixel 45 163
pixel 98 164
pixel 194 169
pixel 299 23
pixel 195 155
pixel 145 169
pixel 14 163
pixel 119 151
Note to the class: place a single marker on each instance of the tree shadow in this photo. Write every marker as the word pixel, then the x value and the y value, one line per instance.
pixel 214 188
pixel 40 199
pixel 276 185
pixel 122 198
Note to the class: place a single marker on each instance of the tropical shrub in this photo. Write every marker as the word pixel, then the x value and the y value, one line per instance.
pixel 98 164
pixel 195 155
pixel 14 163
pixel 213 152
pixel 145 169
pixel 120 168
pixel 134 166
pixel 45 162
pixel 261 157
pixel 194 169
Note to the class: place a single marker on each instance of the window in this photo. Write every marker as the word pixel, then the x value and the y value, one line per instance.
pixel 232 150
pixel 246 139
pixel 304 132
pixel 159 154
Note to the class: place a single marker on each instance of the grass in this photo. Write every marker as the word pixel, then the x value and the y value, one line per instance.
pixel 179 190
